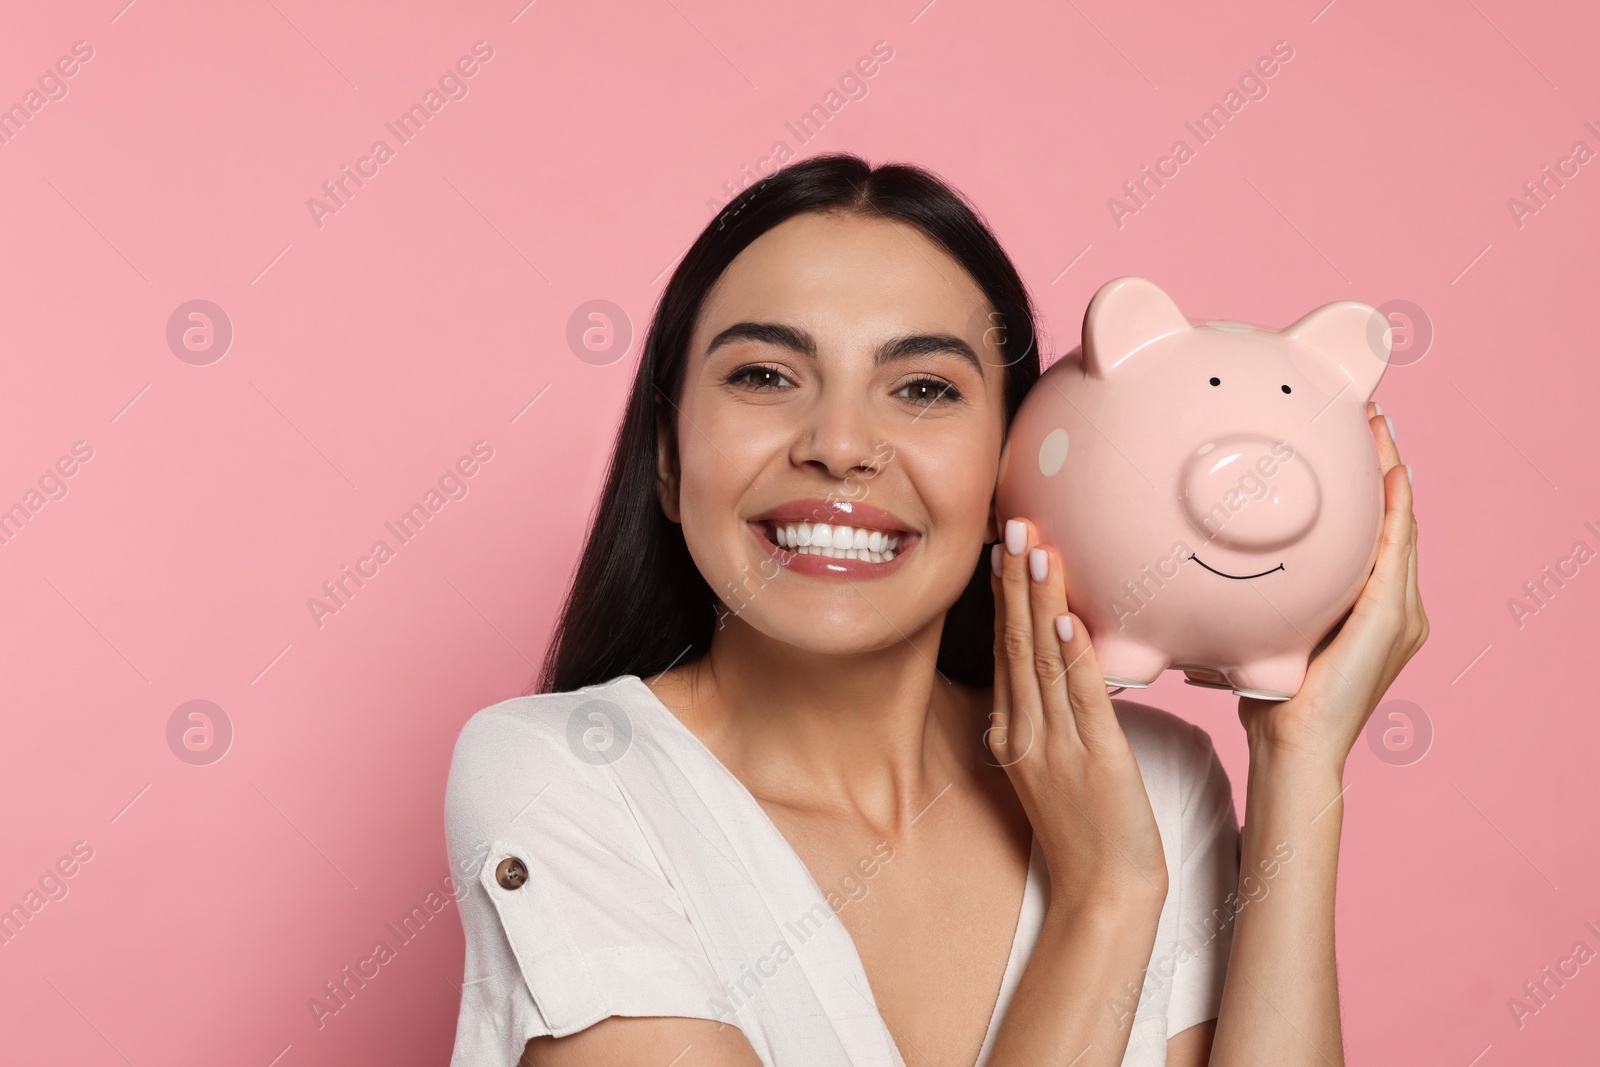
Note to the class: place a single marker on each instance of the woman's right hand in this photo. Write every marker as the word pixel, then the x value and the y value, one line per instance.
pixel 1054 730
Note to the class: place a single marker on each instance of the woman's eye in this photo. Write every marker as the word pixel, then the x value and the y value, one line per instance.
pixel 759 376
pixel 930 391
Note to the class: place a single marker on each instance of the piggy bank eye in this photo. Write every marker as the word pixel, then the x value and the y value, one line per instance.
pixel 1286 388
pixel 1216 381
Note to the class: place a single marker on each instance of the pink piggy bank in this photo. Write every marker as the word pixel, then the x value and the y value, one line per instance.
pixel 1212 487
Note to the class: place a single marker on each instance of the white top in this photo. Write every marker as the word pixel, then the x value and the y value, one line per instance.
pixel 657 885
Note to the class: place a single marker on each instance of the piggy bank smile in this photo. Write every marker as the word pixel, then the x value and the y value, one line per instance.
pixel 1235 577
pixel 1162 441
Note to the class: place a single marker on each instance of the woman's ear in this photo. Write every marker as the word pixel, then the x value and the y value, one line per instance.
pixel 667 469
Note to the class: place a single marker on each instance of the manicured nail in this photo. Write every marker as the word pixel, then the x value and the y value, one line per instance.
pixel 994 558
pixel 1039 564
pixel 1016 536
pixel 1377 407
pixel 1391 428
pixel 1409 480
pixel 1064 627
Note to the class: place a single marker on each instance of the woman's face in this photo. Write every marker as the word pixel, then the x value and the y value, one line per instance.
pixel 842 372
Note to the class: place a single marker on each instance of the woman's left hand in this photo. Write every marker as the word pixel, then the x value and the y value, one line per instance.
pixel 1349 674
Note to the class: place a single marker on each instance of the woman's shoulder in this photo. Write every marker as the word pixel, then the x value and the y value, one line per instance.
pixel 1160 731
pixel 1189 789
pixel 522 757
pixel 569 914
pixel 538 726
pixel 1168 747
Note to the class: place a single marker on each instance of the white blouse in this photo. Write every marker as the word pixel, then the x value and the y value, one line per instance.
pixel 610 864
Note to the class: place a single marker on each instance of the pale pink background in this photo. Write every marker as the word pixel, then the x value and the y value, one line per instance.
pixel 426 315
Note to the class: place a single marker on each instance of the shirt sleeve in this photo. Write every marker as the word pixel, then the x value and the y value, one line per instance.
pixel 568 917
pixel 1208 878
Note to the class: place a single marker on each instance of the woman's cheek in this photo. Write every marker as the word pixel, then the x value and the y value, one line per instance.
pixel 719 539
pixel 710 465
pixel 956 485
pixel 711 530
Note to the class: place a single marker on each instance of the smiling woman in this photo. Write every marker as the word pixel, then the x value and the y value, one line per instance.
pixel 786 657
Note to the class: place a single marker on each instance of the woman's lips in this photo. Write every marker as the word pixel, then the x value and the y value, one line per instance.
pixel 830 566
pixel 834 511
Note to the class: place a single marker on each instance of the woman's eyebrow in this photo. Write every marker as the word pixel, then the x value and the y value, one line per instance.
pixel 802 343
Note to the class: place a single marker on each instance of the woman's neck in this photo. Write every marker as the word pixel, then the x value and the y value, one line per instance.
pixel 876 736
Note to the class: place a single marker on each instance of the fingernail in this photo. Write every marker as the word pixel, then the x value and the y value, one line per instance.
pixel 1039 564
pixel 1377 407
pixel 1391 428
pixel 1409 479
pixel 1016 536
pixel 1064 627
pixel 994 558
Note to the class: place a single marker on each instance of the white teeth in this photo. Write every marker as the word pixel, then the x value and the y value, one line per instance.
pixel 837 541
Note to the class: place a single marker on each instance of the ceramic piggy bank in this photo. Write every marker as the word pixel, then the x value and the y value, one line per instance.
pixel 1212 487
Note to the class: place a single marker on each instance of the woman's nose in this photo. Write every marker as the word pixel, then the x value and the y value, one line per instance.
pixel 841 438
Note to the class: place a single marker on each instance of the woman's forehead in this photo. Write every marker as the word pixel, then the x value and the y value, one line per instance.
pixel 846 273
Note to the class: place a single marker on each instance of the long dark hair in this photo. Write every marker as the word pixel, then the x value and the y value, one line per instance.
pixel 638 604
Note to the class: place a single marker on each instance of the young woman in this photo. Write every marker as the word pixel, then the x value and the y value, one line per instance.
pixel 816 776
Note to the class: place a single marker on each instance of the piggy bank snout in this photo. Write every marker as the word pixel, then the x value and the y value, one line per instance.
pixel 1250 492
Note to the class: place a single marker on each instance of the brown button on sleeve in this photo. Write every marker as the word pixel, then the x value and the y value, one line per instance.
pixel 511 873
pixel 555 967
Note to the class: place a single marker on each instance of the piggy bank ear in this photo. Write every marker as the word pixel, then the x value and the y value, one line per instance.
pixel 1351 342
pixel 1124 316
